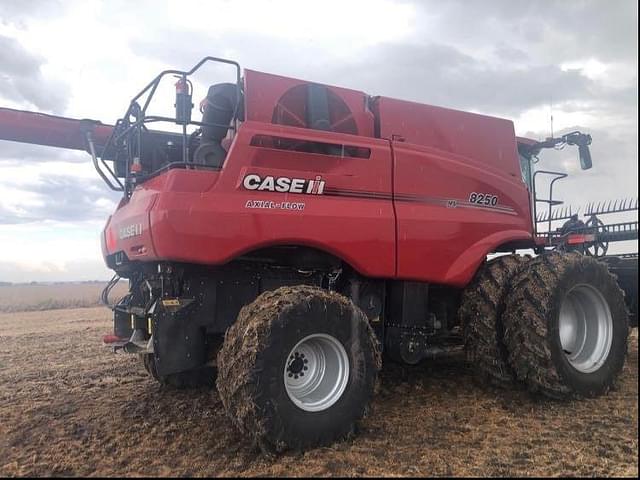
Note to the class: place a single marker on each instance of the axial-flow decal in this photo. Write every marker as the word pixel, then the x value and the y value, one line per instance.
pixel 266 204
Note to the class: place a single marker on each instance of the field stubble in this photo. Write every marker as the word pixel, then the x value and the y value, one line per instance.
pixel 39 297
pixel 70 407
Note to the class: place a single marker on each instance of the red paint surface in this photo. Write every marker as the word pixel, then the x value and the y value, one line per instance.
pixel 200 217
pixel 50 130
pixel 403 212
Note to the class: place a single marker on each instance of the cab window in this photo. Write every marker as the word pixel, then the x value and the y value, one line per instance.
pixel 525 169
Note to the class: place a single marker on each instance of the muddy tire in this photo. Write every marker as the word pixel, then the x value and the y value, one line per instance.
pixel 203 377
pixel 566 326
pixel 262 365
pixel 480 314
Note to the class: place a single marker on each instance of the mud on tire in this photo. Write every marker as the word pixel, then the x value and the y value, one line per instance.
pixel 553 302
pixel 480 314
pixel 255 354
pixel 203 377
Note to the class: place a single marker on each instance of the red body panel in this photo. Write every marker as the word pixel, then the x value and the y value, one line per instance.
pixel 441 157
pixel 133 213
pixel 423 193
pixel 442 236
pixel 201 217
pixel 488 140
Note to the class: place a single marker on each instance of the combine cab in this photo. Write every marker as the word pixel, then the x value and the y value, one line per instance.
pixel 285 241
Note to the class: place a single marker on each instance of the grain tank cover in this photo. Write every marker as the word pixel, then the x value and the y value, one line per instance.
pixel 489 140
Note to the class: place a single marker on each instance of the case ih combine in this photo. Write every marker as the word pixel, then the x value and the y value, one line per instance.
pixel 297 231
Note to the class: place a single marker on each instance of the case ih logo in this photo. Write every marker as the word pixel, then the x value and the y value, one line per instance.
pixel 130 231
pixel 284 184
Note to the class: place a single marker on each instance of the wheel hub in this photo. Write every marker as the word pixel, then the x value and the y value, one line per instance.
pixel 586 328
pixel 297 365
pixel 316 372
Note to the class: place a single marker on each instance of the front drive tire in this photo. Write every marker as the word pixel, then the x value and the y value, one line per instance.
pixel 566 326
pixel 262 368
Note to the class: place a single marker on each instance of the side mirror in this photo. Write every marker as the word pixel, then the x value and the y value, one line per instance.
pixel 585 156
pixel 582 140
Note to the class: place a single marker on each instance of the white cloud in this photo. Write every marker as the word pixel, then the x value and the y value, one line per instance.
pixel 509 58
pixel 332 22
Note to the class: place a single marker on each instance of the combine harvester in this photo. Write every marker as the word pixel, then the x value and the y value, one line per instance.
pixel 296 232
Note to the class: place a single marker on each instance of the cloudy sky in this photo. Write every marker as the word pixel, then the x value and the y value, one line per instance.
pixel 515 59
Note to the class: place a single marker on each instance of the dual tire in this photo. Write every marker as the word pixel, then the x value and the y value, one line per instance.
pixel 566 326
pixel 481 310
pixel 557 324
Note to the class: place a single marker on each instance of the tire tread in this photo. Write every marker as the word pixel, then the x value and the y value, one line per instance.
pixel 480 314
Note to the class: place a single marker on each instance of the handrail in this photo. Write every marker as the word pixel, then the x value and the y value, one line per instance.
pixel 550 201
pixel 133 122
pixel 118 187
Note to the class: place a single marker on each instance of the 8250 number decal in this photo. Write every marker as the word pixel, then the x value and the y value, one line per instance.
pixel 483 199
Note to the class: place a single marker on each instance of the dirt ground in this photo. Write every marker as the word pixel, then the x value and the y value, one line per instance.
pixel 68 406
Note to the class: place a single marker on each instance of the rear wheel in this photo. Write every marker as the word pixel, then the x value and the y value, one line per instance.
pixel 297 368
pixel 480 314
pixel 203 377
pixel 566 326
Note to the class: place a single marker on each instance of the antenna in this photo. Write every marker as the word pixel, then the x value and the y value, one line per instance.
pixel 551 113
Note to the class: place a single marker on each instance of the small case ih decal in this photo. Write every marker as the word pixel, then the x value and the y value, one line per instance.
pixel 284 184
pixel 133 230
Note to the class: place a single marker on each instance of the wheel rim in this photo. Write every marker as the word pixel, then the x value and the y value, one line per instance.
pixel 316 372
pixel 586 328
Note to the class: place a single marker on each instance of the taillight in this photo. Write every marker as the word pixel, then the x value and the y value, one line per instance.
pixel 110 239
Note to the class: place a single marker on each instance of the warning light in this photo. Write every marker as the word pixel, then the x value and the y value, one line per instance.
pixel 110 238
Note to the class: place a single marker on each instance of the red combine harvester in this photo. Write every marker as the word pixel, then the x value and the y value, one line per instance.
pixel 298 231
